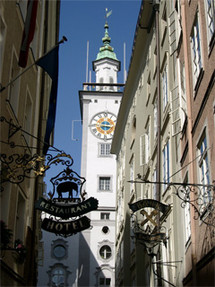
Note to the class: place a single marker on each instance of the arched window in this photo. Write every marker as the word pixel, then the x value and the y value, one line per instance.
pixel 58 277
pixel 105 252
pixel 101 80
pixel 111 82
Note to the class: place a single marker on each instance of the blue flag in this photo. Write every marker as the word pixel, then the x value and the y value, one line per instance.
pixel 49 63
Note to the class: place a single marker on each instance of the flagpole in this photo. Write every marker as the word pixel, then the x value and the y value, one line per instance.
pixel 13 80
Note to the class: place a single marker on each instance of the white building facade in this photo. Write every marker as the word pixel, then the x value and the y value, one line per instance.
pixel 99 109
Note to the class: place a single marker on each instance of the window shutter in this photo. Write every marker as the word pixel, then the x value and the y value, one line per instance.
pixel 143 149
pixel 175 111
pixel 174 31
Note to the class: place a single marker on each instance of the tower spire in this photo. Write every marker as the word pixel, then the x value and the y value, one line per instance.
pixel 106 51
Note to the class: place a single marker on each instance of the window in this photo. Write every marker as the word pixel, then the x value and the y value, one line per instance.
pixel 14 87
pixel 105 215
pixel 145 145
pixel 132 174
pixel 148 142
pixel 203 165
pixel 2 41
pixel 28 117
pixel 101 81
pixel 104 149
pixel 210 9
pixel 104 281
pixel 34 43
pixel 174 28
pixel 165 86
pixel 187 216
pixel 59 251
pixel 58 277
pixel 196 51
pixel 20 217
pixel 133 131
pixel 178 101
pixel 166 164
pixel 111 82
pixel 148 87
pixel 5 197
pixel 105 252
pixel 155 118
pixel 105 229
pixel 163 25
pixel 142 149
pixel 155 62
pixel 23 7
pixel 104 183
pixel 154 188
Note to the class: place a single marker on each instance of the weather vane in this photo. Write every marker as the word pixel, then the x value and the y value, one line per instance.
pixel 108 13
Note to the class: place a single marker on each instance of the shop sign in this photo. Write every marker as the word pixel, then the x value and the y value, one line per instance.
pixel 151 203
pixel 65 211
pixel 157 237
pixel 66 227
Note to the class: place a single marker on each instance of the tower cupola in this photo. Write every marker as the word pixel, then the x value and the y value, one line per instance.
pixel 106 65
pixel 106 51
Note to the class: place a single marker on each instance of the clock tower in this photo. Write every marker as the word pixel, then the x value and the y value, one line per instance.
pixel 100 103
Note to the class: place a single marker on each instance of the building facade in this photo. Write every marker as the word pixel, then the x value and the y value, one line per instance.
pixel 154 143
pixel 99 102
pixel 24 106
pixel 197 56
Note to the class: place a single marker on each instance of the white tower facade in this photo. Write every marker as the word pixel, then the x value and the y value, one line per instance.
pixel 99 107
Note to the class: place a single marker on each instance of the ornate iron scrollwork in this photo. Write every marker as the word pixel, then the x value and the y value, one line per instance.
pixel 15 168
pixel 64 211
pixel 199 196
pixel 67 181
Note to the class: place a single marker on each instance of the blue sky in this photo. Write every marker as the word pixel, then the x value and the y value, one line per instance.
pixel 82 21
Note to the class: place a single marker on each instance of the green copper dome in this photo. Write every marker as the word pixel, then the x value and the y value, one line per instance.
pixel 106 51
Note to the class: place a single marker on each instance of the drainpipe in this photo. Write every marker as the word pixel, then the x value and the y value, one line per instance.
pixel 158 168
pixel 186 44
pixel 158 171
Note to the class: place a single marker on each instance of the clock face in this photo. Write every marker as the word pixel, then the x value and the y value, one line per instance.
pixel 102 125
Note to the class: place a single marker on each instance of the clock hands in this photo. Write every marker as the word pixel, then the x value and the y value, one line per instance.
pixel 102 125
